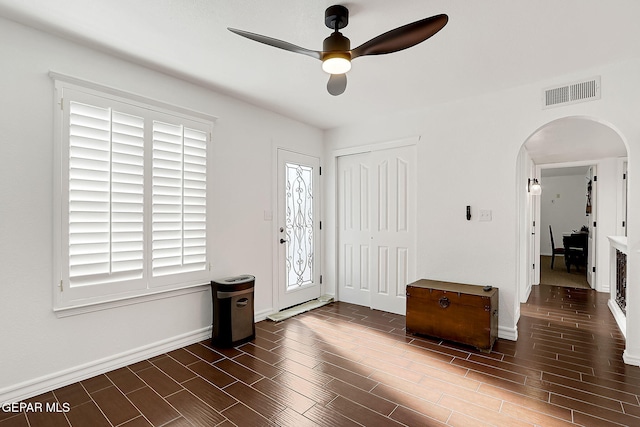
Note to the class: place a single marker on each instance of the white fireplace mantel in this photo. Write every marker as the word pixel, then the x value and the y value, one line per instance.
pixel 619 243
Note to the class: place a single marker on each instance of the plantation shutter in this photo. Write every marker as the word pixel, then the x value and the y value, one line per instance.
pixel 130 214
pixel 178 199
pixel 105 195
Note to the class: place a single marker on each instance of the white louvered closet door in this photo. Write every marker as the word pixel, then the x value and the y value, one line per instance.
pixel 106 200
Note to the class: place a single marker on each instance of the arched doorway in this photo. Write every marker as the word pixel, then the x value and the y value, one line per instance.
pixel 568 142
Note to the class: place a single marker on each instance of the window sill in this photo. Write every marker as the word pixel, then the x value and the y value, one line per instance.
pixel 75 310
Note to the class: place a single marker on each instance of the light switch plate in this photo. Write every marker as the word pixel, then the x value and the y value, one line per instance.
pixel 485 215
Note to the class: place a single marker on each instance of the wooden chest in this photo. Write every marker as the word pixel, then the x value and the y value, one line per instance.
pixel 466 314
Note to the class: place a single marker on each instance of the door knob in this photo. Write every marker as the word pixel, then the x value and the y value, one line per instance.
pixel 282 241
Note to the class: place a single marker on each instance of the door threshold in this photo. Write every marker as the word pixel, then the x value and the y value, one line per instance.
pixel 299 309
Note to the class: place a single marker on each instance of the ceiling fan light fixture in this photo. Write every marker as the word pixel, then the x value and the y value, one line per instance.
pixel 336 64
pixel 336 58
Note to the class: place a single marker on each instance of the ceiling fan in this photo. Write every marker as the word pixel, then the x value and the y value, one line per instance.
pixel 336 54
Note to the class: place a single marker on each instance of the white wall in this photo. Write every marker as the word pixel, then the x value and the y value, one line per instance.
pixel 562 206
pixel 468 155
pixel 37 345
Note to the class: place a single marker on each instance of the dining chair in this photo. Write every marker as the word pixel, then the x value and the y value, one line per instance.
pixel 575 250
pixel 554 251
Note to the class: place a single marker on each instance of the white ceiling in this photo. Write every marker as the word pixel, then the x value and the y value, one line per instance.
pixel 574 139
pixel 486 46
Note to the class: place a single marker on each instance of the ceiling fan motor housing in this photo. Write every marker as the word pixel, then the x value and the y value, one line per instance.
pixel 335 43
pixel 336 46
pixel 336 17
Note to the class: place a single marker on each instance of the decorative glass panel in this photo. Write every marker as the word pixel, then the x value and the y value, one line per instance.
pixel 299 225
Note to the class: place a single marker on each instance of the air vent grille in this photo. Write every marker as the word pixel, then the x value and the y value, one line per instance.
pixel 586 90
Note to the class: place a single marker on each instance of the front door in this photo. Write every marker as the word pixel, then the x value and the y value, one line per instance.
pixel 377 227
pixel 298 228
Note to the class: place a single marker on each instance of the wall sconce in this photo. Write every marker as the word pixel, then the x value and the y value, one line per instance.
pixel 533 187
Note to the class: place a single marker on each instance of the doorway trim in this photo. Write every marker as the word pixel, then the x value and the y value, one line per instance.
pixel 377 146
pixel 538 217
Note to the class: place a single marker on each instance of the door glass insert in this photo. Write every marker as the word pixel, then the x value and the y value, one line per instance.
pixel 299 225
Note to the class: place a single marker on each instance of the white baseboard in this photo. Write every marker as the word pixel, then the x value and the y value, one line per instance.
pixel 619 316
pixel 262 315
pixel 630 360
pixel 524 298
pixel 37 386
pixel 510 334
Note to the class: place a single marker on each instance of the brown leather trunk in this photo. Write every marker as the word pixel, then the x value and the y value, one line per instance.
pixel 465 314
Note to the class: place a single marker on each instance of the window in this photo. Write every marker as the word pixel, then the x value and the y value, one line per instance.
pixel 131 210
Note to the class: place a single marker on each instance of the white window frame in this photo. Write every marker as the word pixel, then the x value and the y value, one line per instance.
pixel 71 300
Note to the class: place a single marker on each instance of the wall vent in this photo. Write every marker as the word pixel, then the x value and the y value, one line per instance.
pixel 572 93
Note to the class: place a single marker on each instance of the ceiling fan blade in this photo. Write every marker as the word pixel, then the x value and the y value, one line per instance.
pixel 337 84
pixel 277 43
pixel 402 37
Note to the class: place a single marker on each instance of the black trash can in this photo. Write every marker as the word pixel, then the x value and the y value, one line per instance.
pixel 233 321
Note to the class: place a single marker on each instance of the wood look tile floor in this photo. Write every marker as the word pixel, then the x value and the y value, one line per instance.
pixel 346 365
